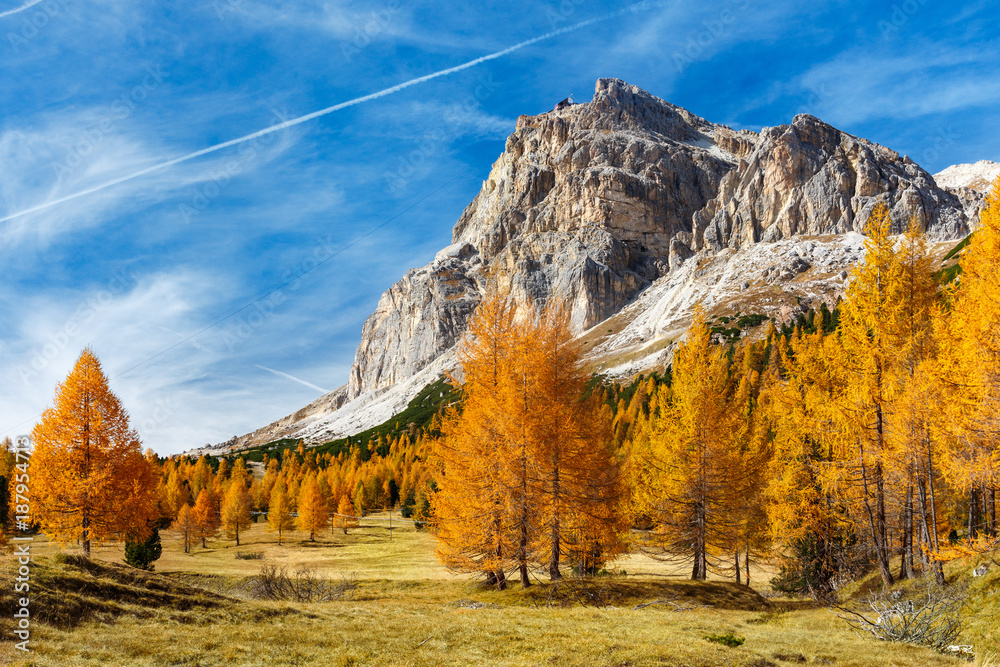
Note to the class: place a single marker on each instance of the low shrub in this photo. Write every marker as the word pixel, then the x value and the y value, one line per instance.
pixel 302 585
pixel 933 620
pixel 728 639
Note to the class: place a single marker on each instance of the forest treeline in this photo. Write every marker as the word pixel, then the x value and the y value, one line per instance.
pixel 841 445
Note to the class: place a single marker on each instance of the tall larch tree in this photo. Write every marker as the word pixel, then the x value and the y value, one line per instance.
pixel 90 480
pixel 206 517
pixel 870 337
pixel 279 512
pixel 469 507
pixel 686 466
pixel 751 459
pixel 184 526
pixel 236 509
pixel 520 445
pixel 581 493
pixel 912 445
pixel 313 513
pixel 808 524
pixel 969 370
pixel 345 517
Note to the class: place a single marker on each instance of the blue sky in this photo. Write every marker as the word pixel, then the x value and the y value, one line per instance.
pixel 153 272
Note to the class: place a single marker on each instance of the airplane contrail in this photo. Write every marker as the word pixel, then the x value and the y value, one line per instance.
pixel 336 107
pixel 292 377
pixel 27 5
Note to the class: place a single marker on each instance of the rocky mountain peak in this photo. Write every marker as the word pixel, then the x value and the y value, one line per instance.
pixel 597 203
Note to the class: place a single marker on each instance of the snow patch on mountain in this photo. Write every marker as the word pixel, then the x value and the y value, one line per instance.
pixel 372 407
pixel 779 280
pixel 978 176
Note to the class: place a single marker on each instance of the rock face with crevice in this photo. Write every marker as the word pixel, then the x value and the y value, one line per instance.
pixel 811 178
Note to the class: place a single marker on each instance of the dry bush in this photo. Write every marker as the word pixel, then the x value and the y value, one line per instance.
pixel 933 620
pixel 302 585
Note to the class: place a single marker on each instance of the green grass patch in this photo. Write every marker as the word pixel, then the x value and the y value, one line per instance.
pixel 962 245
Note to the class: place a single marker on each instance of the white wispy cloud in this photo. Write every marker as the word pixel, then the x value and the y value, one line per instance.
pixel 77 150
pixel 121 316
pixel 164 164
pixel 867 83
pixel 294 379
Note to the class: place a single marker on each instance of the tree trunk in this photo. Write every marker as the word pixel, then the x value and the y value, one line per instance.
pixel 876 517
pixel 906 560
pixel 86 536
pixel 86 494
pixel 925 531
pixel 746 564
pixel 938 566
pixel 991 510
pixel 500 578
pixel 738 566
pixel 522 547
pixel 882 533
pixel 698 572
pixel 972 529
pixel 554 573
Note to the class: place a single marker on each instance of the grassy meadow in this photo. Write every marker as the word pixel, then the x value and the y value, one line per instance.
pixel 408 610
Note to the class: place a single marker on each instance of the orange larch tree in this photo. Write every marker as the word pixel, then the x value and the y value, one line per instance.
pixel 527 472
pixel 870 339
pixel 345 517
pixel 279 512
pixel 684 469
pixel 579 487
pixel 969 369
pixel 236 509
pixel 313 513
pixel 185 527
pixel 469 507
pixel 205 517
pixel 91 481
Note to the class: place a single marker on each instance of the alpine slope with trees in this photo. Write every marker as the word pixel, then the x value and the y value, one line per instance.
pixel 852 444
pixel 863 437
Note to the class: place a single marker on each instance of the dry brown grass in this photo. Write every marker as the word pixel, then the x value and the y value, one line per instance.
pixel 408 610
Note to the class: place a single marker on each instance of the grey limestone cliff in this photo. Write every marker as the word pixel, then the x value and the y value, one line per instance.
pixel 594 202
